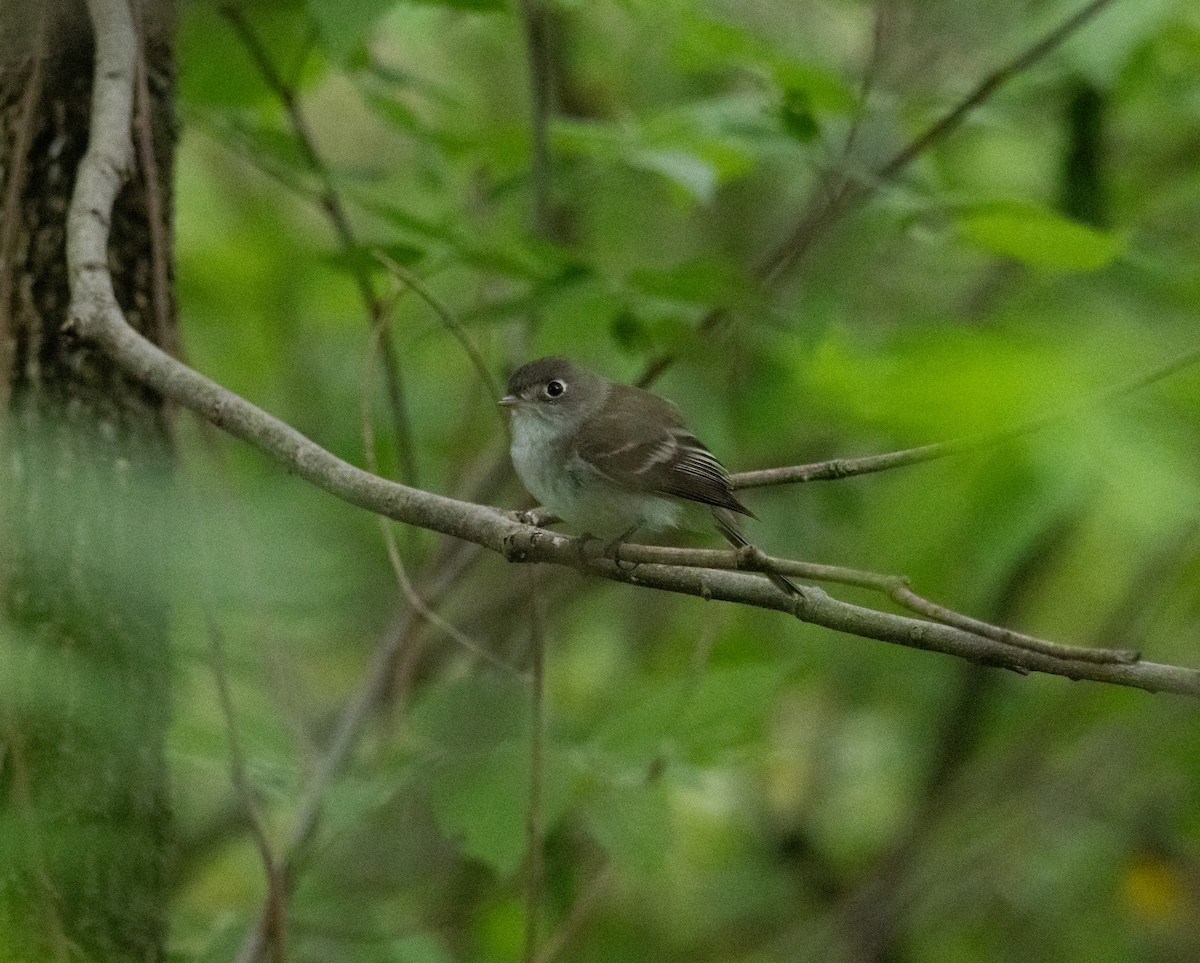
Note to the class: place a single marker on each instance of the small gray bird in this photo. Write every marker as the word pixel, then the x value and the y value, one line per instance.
pixel 610 458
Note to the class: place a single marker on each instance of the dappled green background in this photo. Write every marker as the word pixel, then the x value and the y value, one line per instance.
pixel 721 785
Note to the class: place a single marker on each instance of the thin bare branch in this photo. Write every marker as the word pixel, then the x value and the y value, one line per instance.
pixel 389 539
pixel 895 587
pixel 274 915
pixel 406 277
pixel 335 211
pixel 581 912
pixel 824 210
pixel 536 23
pixel 845 467
pixel 535 818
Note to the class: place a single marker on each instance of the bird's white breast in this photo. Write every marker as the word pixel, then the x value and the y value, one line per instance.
pixel 571 488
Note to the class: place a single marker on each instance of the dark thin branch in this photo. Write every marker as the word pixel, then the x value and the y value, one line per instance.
pixel 335 211
pixel 272 929
pixel 825 210
pixel 407 589
pixel 452 324
pixel 10 209
pixel 844 467
pixel 402 645
pixel 535 820
pixel 580 915
pixel 536 23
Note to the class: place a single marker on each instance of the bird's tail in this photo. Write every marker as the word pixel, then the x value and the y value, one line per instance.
pixel 728 526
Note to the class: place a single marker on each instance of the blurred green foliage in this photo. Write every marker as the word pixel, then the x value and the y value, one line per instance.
pixel 743 788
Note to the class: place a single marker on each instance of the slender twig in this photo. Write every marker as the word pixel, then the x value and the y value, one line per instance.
pixel 823 211
pixel 895 587
pixel 535 817
pixel 844 467
pixel 536 23
pixel 274 914
pixel 451 323
pixel 400 643
pixel 581 911
pixel 389 539
pixel 335 211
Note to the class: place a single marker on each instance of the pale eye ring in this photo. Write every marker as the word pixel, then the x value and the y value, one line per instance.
pixel 555 388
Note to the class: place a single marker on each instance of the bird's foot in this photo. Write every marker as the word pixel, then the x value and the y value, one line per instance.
pixel 612 550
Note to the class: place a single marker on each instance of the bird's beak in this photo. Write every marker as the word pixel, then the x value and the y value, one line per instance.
pixel 508 401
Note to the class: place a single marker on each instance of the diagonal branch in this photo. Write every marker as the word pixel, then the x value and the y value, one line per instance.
pixel 826 209
pixel 278 885
pixel 335 212
pixel 844 467
pixel 96 316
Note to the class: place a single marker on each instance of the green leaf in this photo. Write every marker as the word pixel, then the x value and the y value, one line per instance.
pixel 507 256
pixel 216 69
pixel 633 823
pixel 693 175
pixel 362 257
pixel 1038 237
pixel 796 115
pixel 400 115
pixel 346 24
pixel 482 802
pixel 472 713
pixel 417 948
pixel 709 44
pixel 728 709
pixel 699 281
pixel 699 720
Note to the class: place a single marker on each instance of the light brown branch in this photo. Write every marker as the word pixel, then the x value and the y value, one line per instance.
pixel 895 587
pixel 844 467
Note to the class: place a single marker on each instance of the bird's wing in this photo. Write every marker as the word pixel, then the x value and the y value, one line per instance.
pixel 656 452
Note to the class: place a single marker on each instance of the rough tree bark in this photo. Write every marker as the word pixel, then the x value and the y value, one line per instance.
pixel 85 824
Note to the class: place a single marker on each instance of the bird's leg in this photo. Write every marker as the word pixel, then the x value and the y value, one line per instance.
pixel 613 549
pixel 581 545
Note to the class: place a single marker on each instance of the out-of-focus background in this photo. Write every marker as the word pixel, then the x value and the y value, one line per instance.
pixel 720 784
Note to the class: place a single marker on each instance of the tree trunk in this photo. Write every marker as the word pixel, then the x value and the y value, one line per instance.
pixel 85 824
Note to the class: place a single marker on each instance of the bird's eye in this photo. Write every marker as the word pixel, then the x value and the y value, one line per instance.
pixel 555 388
